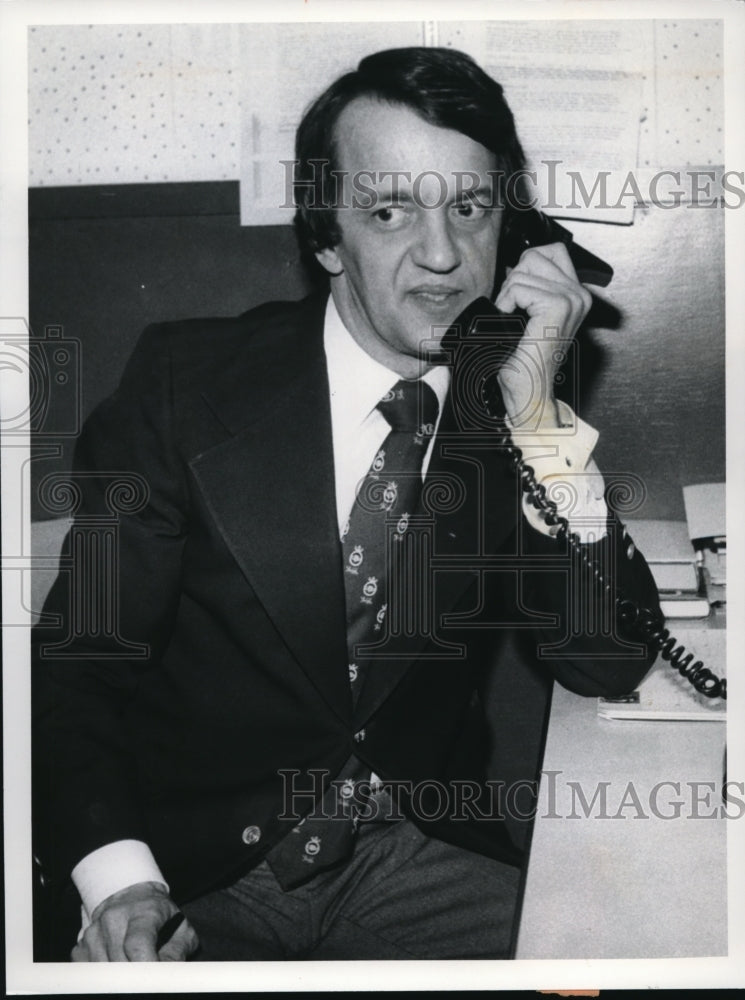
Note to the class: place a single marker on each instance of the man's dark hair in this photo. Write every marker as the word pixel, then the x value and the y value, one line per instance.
pixel 443 86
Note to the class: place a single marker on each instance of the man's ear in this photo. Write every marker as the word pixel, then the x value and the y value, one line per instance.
pixel 328 258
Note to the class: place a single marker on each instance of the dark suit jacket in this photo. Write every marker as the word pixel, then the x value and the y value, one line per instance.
pixel 224 660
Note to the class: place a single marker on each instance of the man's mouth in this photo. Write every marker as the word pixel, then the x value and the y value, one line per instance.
pixel 435 294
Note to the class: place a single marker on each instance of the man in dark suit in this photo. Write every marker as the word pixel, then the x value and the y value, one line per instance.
pixel 240 690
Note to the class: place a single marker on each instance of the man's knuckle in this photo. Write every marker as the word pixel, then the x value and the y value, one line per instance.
pixel 89 935
pixel 135 949
pixel 110 917
pixel 565 305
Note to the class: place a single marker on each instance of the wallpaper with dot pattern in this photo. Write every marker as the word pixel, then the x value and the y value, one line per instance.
pixel 147 103
pixel 133 103
pixel 682 113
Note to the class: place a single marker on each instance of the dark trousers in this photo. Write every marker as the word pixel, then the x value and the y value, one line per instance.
pixel 402 895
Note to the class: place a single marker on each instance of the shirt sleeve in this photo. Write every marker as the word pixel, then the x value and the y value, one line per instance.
pixel 562 461
pixel 111 868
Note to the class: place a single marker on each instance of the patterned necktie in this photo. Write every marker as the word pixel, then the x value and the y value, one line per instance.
pixel 386 499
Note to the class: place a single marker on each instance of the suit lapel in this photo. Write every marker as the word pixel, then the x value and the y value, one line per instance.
pixel 271 489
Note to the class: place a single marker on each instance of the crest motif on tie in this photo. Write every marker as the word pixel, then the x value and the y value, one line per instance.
pixel 378 461
pixel 312 847
pixel 380 617
pixel 401 527
pixel 369 590
pixel 389 495
pixel 356 557
pixel 425 431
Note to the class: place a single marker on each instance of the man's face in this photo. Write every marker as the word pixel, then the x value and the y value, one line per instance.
pixel 418 248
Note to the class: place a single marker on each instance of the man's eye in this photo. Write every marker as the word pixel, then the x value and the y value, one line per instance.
pixel 390 214
pixel 469 210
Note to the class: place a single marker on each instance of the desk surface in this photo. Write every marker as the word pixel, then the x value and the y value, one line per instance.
pixel 633 884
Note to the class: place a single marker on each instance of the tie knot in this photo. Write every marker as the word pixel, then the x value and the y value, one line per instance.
pixel 410 406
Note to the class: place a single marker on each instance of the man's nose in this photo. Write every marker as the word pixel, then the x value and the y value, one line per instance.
pixel 436 248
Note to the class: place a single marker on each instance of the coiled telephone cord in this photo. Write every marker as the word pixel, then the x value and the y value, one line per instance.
pixel 646 622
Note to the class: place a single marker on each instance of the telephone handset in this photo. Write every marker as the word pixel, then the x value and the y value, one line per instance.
pixel 530 228
pixel 481 320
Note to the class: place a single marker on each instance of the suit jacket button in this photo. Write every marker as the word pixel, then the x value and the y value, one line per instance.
pixel 251 835
pixel 630 551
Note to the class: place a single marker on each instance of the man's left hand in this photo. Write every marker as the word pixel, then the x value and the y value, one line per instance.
pixel 545 285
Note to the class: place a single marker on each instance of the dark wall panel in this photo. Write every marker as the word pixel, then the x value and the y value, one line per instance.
pixel 102 271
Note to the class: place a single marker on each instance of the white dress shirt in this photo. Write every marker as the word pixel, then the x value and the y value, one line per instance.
pixel 357 383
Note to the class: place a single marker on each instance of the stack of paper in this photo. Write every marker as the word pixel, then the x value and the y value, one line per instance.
pixel 667 548
pixel 705 505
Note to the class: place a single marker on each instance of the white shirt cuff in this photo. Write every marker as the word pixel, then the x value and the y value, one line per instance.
pixel 111 868
pixel 562 461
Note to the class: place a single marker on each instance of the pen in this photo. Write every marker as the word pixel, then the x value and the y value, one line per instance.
pixel 168 929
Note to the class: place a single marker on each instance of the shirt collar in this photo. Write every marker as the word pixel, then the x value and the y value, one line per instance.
pixel 358 382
